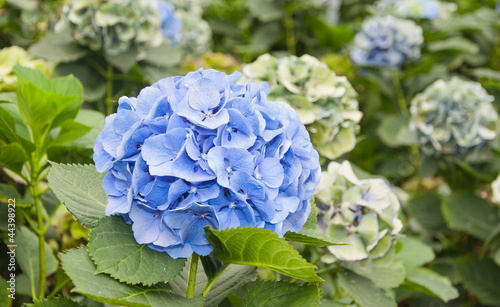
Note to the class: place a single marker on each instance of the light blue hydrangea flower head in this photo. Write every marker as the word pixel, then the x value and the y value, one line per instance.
pixel 413 9
pixel 387 42
pixel 204 150
pixel 115 26
pixel 453 117
pixel 360 212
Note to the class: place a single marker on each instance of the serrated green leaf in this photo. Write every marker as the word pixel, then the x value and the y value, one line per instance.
pixel 55 302
pixel 464 211
pixel 482 277
pixel 282 293
pixel 364 292
pixel 394 131
pixel 430 283
pixel 79 187
pixel 312 219
pixel 414 253
pixel 103 288
pixel 310 237
pixel 12 156
pixel 116 252
pixel 262 248
pixel 426 209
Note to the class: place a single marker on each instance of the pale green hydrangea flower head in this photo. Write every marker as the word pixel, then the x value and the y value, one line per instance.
pixel 113 25
pixel 326 103
pixel 360 212
pixel 11 56
pixel 454 117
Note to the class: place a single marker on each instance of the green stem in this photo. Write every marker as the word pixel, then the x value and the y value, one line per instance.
pixel 212 282
pixel 399 93
pixel 192 275
pixel 109 90
pixel 330 269
pixel 464 166
pixel 290 34
pixel 41 239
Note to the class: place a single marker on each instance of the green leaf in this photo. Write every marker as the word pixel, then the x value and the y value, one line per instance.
pixel 232 277
pixel 18 132
pixel 103 288
pixel 312 219
pixel 70 131
pixel 57 47
pixel 55 302
pixel 394 131
pixel 27 255
pixel 456 43
pixel 280 293
pixel 464 211
pixel 8 97
pixel 164 55
pixel 310 237
pixel 116 252
pixel 262 248
pixel 430 283
pixel 414 252
pixel 364 292
pixel 382 276
pixel 482 277
pixel 426 209
pixel 12 156
pixel 93 119
pixel 125 60
pixel 79 187
pixel 5 300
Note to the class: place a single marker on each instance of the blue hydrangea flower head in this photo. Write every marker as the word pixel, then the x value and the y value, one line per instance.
pixel 205 150
pixel 171 25
pixel 414 9
pixel 387 42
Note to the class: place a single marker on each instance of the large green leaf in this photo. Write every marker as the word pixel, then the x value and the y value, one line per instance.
pixel 482 277
pixel 262 248
pixel 116 252
pixel 54 302
pixel 382 276
pixel 18 132
pixel 414 252
pixel 394 131
pixel 79 187
pixel 12 156
pixel 57 47
pixel 467 212
pixel 164 55
pixel 103 288
pixel 125 60
pixel 27 256
pixel 310 237
pixel 282 293
pixel 5 300
pixel 232 277
pixel 363 291
pixel 430 283
pixel 426 209
pixel 70 130
pixel 93 119
pixel 456 43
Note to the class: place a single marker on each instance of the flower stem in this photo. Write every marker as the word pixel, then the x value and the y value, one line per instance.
pixel 290 34
pixel 399 93
pixel 41 239
pixel 471 171
pixel 212 282
pixel 192 275
pixel 109 90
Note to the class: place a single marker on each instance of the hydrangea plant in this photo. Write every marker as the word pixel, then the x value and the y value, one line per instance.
pixel 453 117
pixel 115 26
pixel 196 35
pixel 360 212
pixel 203 150
pixel 386 41
pixel 11 56
pixel 326 103
pixel 414 9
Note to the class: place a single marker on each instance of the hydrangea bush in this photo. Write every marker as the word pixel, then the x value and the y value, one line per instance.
pixel 203 150
pixel 453 117
pixel 326 103
pixel 196 34
pixel 360 212
pixel 116 26
pixel 387 41
pixel 414 9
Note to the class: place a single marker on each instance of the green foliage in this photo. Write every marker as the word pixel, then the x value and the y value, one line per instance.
pixel 481 277
pixel 115 252
pixel 283 294
pixel 79 187
pixel 262 248
pixel 54 302
pixel 310 237
pixel 431 283
pixel 364 292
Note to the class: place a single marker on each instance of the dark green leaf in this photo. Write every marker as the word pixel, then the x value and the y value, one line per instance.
pixel 414 252
pixel 426 209
pixel 55 302
pixel 364 292
pixel 12 156
pixel 430 283
pixel 310 237
pixel 394 131
pixel 124 61
pixel 280 293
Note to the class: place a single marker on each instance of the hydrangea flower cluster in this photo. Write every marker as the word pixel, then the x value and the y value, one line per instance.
pixel 453 117
pixel 117 25
pixel 414 9
pixel 387 41
pixel 360 212
pixel 203 150
pixel 9 57
pixel 196 34
pixel 325 102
